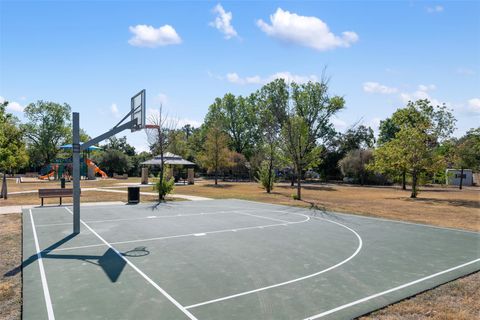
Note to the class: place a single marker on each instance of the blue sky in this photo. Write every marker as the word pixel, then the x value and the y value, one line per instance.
pixel 94 55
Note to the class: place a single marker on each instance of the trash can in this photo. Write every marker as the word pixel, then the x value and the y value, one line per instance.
pixel 62 183
pixel 133 195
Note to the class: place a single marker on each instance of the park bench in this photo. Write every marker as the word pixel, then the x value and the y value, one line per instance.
pixel 55 193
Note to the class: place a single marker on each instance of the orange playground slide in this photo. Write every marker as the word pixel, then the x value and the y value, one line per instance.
pixel 47 176
pixel 90 163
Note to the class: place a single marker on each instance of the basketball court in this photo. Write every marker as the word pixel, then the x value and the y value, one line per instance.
pixel 229 259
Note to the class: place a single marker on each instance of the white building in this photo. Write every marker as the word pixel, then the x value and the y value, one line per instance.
pixel 453 177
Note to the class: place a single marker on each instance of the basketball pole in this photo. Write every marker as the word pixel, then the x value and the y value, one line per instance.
pixel 76 172
pixel 133 124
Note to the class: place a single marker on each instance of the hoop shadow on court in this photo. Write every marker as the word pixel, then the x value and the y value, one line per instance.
pixel 110 262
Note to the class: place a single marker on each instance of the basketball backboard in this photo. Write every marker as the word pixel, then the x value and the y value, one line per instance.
pixel 138 110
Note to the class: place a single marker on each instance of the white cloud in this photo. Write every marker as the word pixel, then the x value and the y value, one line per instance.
pixel 474 105
pixel 426 87
pixel 375 87
pixel 435 9
pixel 12 105
pixel 15 106
pixel 223 22
pixel 256 79
pixel 421 93
pixel 148 36
pixel 339 124
pixel 306 31
pixel 114 110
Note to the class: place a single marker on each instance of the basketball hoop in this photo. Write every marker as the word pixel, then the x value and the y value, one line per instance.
pixel 151 126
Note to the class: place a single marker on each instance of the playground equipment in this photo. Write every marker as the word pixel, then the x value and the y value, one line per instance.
pixel 96 169
pixel 47 176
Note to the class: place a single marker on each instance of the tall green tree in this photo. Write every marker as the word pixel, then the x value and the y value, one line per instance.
pixel 272 102
pixel 308 125
pixel 467 152
pixel 436 122
pixel 237 116
pixel 13 154
pixel 215 155
pixel 120 144
pixel 47 127
pixel 299 147
pixel 421 128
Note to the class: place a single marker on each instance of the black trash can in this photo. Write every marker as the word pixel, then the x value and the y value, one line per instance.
pixel 62 182
pixel 133 195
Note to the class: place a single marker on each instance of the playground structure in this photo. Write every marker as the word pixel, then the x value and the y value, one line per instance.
pixel 63 168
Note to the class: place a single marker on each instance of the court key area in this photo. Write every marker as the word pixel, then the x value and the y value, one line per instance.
pixel 230 259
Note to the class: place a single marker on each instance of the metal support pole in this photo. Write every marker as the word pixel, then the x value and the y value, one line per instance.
pixel 76 172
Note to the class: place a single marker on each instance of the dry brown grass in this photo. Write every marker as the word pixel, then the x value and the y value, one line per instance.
pixel 456 300
pixel 87 196
pixel 14 187
pixel 441 206
pixel 10 258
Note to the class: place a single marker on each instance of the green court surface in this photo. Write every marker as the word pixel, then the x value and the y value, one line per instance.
pixel 230 259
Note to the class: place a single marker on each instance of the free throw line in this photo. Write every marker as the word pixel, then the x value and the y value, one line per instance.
pixel 155 285
pixel 46 292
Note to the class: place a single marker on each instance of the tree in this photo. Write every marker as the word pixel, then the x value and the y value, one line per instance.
pixel 237 116
pixel 272 102
pixel 467 152
pixel 13 154
pixel 299 147
pixel 308 124
pixel 436 122
pixel 409 151
pixel 387 131
pixel 354 164
pixel 113 161
pixel 360 137
pixel 120 144
pixel 158 138
pixel 215 154
pixel 47 128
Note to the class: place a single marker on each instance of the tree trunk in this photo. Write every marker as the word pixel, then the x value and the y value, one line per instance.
pixel 461 179
pixel 216 176
pixel 299 186
pixel 270 167
pixel 293 179
pixel 414 185
pixel 161 196
pixel 404 180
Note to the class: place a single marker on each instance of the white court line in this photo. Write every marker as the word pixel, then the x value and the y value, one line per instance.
pixel 320 315
pixel 361 216
pixel 133 219
pixel 360 244
pixel 46 292
pixel 155 285
pixel 189 234
pixel 263 217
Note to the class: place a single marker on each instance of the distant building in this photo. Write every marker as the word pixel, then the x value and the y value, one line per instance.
pixel 453 177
